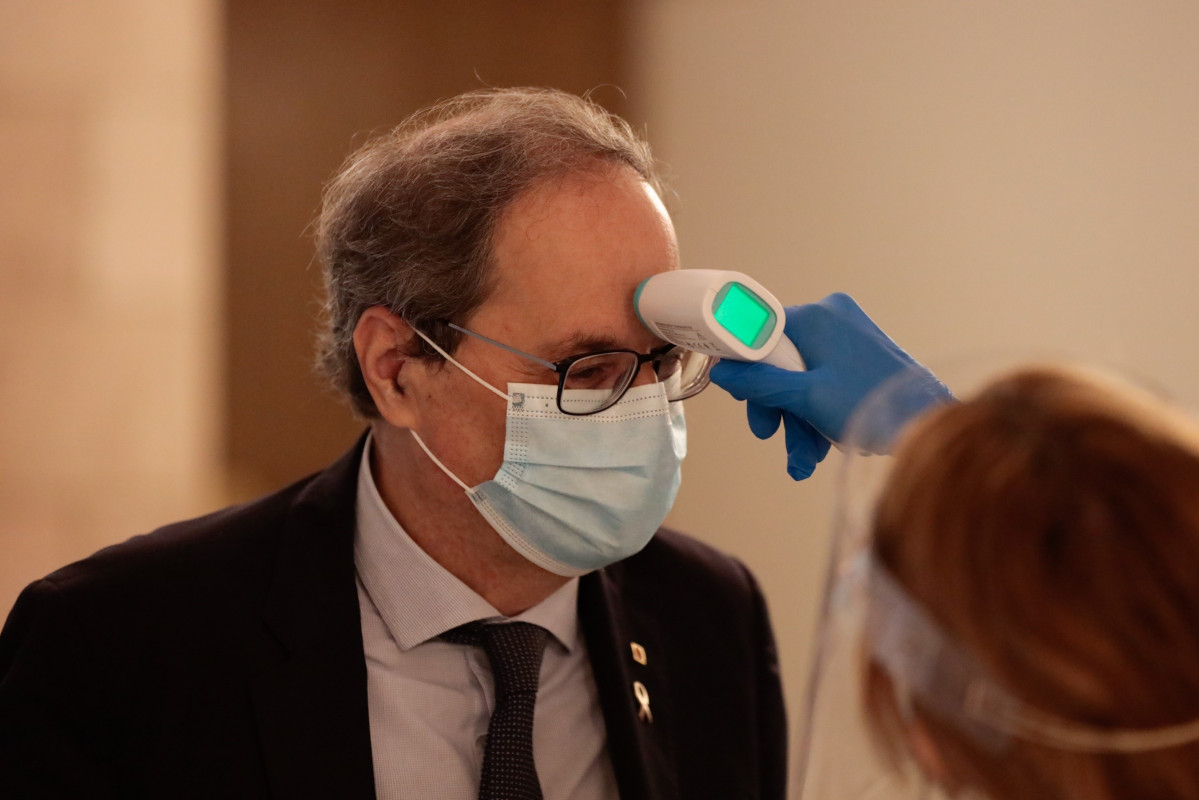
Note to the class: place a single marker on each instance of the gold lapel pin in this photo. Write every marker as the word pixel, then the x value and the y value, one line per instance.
pixel 638 653
pixel 642 694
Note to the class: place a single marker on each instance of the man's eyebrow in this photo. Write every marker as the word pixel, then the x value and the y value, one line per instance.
pixel 580 343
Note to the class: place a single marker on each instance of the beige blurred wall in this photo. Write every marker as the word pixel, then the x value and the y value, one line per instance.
pixel 109 327
pixel 980 176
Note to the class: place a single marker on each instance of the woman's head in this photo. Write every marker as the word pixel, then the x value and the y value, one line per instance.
pixel 1050 526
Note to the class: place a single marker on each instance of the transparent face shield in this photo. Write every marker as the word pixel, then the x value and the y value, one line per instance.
pixel 888 684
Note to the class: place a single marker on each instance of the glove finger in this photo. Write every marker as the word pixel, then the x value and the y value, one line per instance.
pixel 838 316
pixel 840 311
pixel 763 383
pixel 809 327
pixel 805 447
pixel 840 301
pixel 738 378
pixel 763 420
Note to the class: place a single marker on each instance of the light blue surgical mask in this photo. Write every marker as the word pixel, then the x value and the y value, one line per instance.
pixel 575 494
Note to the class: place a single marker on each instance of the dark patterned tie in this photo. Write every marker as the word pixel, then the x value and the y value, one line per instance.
pixel 515 651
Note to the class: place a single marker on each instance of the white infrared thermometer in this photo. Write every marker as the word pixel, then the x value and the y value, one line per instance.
pixel 719 312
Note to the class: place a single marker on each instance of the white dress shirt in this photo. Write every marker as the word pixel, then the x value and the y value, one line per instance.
pixel 430 701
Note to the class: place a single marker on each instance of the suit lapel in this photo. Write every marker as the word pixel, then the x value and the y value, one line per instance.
pixel 310 697
pixel 634 696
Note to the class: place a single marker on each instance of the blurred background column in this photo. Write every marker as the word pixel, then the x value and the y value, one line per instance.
pixel 308 82
pixel 110 322
pixel 160 166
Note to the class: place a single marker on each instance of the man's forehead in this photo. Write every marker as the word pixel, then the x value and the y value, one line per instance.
pixel 567 266
pixel 567 321
pixel 578 202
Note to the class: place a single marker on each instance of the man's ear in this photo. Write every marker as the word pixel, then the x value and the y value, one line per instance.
pixel 382 341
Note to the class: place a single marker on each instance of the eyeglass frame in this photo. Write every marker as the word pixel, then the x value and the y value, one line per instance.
pixel 562 367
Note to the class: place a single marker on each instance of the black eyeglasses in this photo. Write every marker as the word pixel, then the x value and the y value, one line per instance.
pixel 591 382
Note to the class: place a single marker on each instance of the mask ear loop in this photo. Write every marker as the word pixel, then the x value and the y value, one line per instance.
pixel 453 361
pixel 437 461
pixel 478 380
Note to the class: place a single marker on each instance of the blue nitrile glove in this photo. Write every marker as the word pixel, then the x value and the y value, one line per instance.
pixel 847 356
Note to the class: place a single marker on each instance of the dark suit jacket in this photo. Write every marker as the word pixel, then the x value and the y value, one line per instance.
pixel 222 657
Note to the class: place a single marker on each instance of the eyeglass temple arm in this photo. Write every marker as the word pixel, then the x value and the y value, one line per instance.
pixel 548 364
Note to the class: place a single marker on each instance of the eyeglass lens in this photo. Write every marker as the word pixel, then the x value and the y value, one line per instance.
pixel 595 382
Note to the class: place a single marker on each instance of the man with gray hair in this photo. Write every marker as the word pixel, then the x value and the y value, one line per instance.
pixel 477 600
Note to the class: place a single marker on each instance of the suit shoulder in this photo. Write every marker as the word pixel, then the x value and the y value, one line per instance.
pixel 220 541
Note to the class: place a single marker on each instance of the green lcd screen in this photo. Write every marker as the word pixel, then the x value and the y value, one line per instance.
pixel 743 314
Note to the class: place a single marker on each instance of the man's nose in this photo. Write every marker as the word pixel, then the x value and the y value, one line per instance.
pixel 645 374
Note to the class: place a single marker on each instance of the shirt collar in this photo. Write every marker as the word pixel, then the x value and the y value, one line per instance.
pixel 418 598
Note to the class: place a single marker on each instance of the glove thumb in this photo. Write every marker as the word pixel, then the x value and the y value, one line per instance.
pixel 763 420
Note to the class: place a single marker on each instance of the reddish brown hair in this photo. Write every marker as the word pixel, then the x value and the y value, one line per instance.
pixel 1051 526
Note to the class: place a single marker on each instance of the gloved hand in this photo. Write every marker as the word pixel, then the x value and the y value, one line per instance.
pixel 847 356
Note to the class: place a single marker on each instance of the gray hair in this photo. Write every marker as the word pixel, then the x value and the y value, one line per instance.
pixel 409 219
